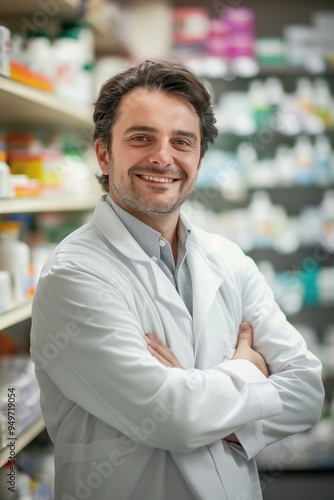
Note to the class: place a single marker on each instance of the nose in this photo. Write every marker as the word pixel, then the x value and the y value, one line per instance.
pixel 161 154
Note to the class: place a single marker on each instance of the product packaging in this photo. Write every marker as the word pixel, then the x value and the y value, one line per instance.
pixel 4 51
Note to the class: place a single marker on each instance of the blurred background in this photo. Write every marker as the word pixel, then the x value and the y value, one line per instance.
pixel 267 183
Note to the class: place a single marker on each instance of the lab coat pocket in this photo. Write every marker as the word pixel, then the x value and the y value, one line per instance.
pixel 101 470
pixel 97 450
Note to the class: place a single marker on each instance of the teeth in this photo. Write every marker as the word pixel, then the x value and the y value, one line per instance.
pixel 157 179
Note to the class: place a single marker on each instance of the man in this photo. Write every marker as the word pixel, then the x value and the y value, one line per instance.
pixel 149 388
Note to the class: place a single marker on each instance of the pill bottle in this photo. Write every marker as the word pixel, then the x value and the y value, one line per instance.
pixel 5 177
pixel 15 258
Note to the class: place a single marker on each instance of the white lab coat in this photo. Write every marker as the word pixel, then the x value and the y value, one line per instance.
pixel 125 427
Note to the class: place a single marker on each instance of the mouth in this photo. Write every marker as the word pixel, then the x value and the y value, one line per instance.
pixel 160 180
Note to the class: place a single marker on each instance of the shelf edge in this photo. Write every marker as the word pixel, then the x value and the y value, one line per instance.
pixel 14 316
pixel 23 439
pixel 60 204
pixel 50 101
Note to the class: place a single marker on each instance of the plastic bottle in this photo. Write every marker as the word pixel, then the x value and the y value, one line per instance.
pixel 310 121
pixel 310 225
pixel 15 258
pixel 262 215
pixel 275 96
pixel 323 101
pixel 323 158
pixel 289 291
pixel 259 103
pixel 327 220
pixel 305 95
pixel 309 277
pixel 304 157
pixel 5 291
pixel 23 486
pixel 325 285
pixel 246 156
pixel 285 166
pixel 5 52
pixel 5 177
pixel 39 55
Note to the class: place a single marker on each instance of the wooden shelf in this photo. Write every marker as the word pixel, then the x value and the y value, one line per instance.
pixel 15 315
pixel 59 204
pixel 26 105
pixel 23 439
pixel 65 8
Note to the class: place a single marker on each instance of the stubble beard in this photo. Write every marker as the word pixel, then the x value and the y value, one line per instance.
pixel 131 198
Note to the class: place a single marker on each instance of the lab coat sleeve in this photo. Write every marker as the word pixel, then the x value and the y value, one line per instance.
pixel 295 371
pixel 87 337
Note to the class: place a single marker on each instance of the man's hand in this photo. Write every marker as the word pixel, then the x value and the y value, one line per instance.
pixel 244 349
pixel 160 351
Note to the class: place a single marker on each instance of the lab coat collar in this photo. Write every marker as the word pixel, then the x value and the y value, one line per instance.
pixel 113 229
pixel 206 277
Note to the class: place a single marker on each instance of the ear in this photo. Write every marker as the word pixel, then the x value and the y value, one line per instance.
pixel 102 156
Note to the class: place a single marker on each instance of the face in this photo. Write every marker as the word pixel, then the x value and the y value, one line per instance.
pixel 155 153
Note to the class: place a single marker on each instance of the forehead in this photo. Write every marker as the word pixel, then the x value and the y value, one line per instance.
pixel 155 107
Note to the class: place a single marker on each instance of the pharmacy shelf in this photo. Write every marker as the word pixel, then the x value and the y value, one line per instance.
pixel 23 439
pixel 217 69
pixel 64 9
pixel 59 204
pixel 24 105
pixel 297 260
pixel 293 198
pixel 14 316
pixel 318 316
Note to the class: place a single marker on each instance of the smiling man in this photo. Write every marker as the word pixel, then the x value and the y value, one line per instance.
pixel 164 363
pixel 155 157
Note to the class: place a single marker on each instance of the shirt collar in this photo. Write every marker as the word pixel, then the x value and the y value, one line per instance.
pixel 147 237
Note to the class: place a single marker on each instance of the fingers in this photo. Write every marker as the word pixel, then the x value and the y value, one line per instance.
pixel 161 352
pixel 159 346
pixel 245 337
pixel 159 357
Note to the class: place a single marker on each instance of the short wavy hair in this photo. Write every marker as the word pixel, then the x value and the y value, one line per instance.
pixel 170 77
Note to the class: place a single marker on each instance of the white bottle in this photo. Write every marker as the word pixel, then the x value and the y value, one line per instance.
pixel 5 177
pixel 262 213
pixel 275 96
pixel 6 299
pixel 285 165
pixel 5 53
pixel 323 158
pixel 327 220
pixel 304 157
pixel 15 258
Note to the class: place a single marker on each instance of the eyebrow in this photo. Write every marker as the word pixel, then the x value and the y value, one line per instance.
pixel 145 128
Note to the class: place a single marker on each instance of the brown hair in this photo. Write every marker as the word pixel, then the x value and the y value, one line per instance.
pixel 168 76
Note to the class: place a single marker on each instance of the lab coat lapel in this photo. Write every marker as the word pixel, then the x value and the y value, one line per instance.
pixel 153 277
pixel 206 279
pixel 165 290
pixel 112 228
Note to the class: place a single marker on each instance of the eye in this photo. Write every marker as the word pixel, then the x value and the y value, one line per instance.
pixel 182 142
pixel 139 138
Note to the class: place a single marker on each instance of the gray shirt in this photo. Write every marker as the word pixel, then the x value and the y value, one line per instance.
pixel 160 251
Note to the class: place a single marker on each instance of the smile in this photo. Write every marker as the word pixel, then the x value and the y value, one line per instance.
pixel 163 180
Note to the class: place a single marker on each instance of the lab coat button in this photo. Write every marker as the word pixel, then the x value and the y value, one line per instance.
pixel 154 258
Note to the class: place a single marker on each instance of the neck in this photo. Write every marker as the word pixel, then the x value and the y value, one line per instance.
pixel 167 226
